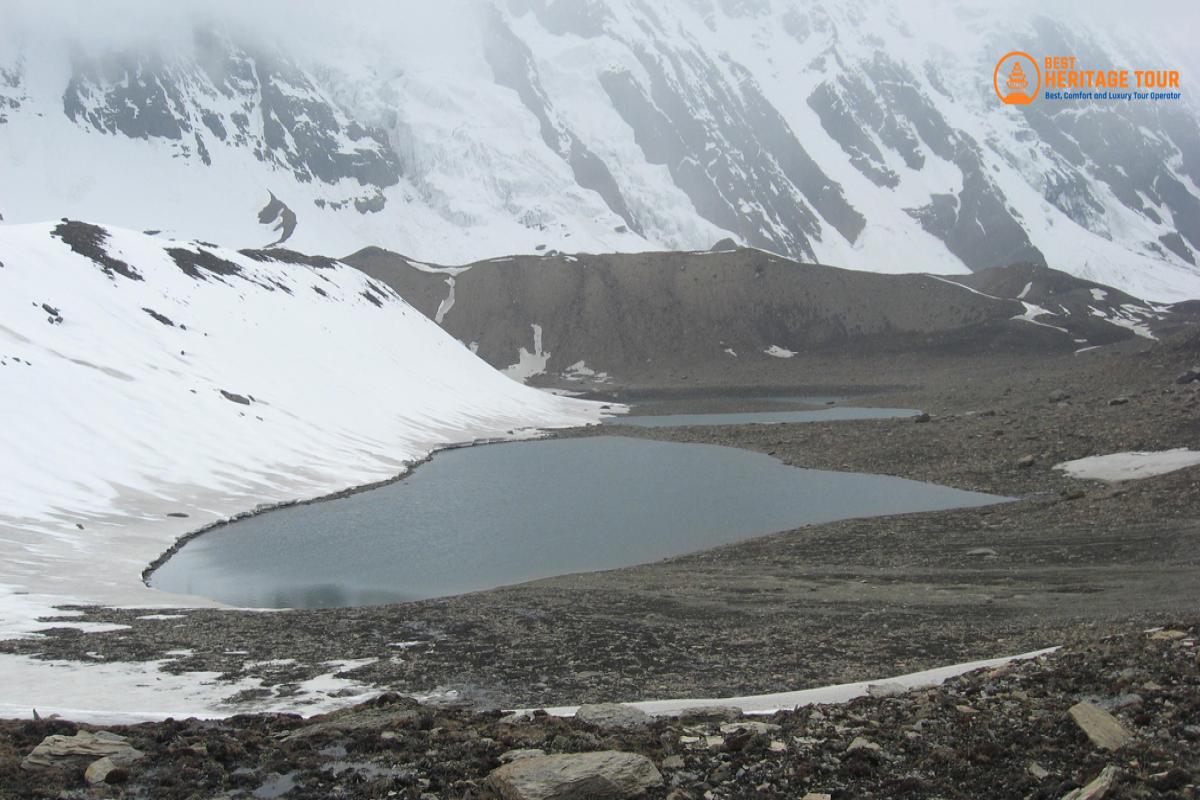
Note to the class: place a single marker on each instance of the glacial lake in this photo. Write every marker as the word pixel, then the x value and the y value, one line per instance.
pixel 479 517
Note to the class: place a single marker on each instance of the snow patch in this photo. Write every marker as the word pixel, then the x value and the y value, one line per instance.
pixel 580 371
pixel 529 363
pixel 446 304
pixel 131 692
pixel 1032 312
pixel 839 693
pixel 1130 465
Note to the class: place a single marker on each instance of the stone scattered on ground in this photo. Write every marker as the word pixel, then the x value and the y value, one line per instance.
pixel 1101 727
pixel 57 751
pixel 105 770
pixel 709 714
pixel 613 716
pixel 607 775
pixel 889 689
pixel 860 743
pixel 523 752
pixel 752 725
pixel 1015 731
pixel 1098 788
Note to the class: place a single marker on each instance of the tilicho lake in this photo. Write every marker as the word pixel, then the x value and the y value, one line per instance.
pixel 479 517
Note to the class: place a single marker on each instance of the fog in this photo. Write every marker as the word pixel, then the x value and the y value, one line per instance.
pixel 1167 26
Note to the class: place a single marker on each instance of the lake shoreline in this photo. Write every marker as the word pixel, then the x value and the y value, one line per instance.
pixel 477 519
pixel 826 604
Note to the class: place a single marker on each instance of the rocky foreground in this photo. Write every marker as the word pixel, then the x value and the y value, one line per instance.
pixel 1117 717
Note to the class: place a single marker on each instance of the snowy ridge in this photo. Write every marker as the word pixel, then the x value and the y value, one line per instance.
pixel 153 387
pixel 862 134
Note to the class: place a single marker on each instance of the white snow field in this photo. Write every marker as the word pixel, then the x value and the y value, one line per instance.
pixel 478 173
pixel 1130 465
pixel 135 391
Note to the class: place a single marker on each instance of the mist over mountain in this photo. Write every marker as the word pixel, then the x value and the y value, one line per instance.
pixel 859 134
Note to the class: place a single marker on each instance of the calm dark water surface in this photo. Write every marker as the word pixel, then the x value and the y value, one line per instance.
pixel 480 517
pixel 831 414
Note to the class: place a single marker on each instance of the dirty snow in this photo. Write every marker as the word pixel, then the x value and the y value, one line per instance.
pixel 529 363
pixel 1130 465
pixel 839 693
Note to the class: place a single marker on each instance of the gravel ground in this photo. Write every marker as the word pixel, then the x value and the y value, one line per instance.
pixel 1004 732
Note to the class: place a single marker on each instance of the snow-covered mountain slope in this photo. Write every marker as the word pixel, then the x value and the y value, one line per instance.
pixel 151 387
pixel 863 134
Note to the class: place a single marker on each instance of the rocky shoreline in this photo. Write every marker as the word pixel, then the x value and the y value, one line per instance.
pixel 1112 717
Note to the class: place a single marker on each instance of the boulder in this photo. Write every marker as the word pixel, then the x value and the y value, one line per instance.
pixel 709 714
pixel 604 775
pixel 1188 376
pixel 1098 788
pixel 1100 726
pixel 613 716
pixel 1058 396
pixel 889 689
pixel 61 751
pixel 860 743
pixel 1169 635
pixel 750 725
pixel 105 770
pixel 517 755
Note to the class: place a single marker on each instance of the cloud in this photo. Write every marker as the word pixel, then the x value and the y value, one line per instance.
pixel 1164 29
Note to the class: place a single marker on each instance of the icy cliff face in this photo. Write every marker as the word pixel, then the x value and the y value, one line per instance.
pixel 862 134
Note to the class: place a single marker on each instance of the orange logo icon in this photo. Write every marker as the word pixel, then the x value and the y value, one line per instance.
pixel 1017 90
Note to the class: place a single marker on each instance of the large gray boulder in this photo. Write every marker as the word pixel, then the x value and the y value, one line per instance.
pixel 61 751
pixel 613 715
pixel 605 775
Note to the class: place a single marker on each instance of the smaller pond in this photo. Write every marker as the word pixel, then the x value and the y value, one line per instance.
pixel 481 517
pixel 831 414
